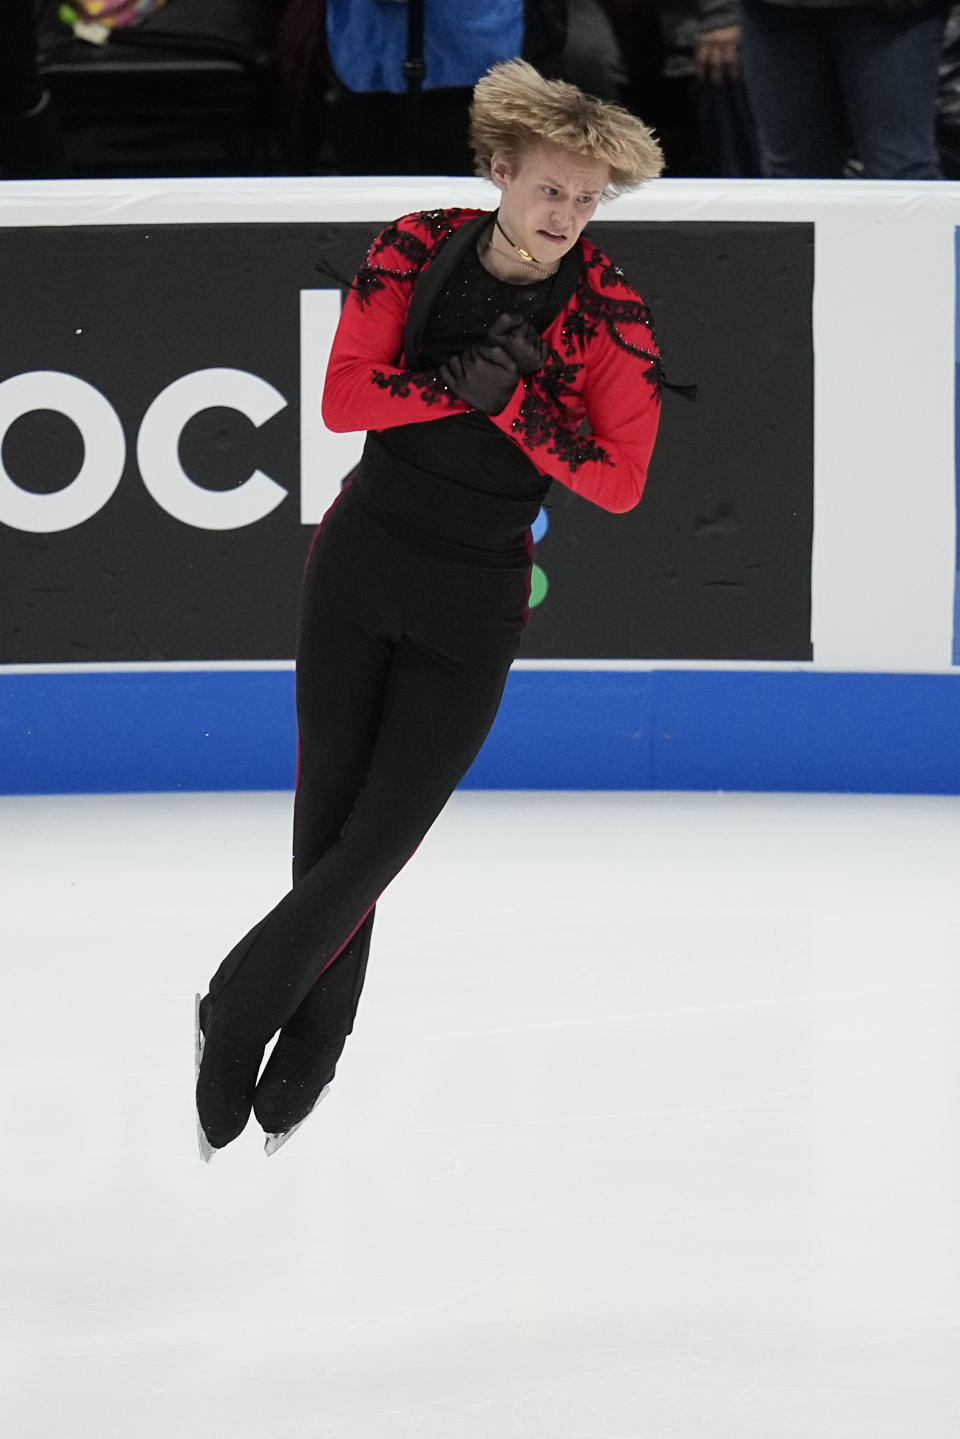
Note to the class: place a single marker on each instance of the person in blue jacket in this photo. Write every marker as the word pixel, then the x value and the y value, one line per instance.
pixel 375 127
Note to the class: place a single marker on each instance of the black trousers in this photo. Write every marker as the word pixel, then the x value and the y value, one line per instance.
pixel 404 651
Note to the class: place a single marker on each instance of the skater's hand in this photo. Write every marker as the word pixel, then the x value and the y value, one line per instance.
pixel 521 341
pixel 484 377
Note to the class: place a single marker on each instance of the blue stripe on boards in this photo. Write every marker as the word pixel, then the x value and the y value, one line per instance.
pixel 721 729
pixel 956 468
pixel 956 446
pixel 557 729
pixel 147 730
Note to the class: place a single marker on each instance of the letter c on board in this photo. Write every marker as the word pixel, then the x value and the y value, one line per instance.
pixel 159 460
pixel 104 451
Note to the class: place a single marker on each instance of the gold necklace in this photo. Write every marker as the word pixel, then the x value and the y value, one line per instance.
pixel 524 255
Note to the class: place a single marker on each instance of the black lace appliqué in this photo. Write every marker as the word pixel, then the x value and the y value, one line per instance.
pixel 610 274
pixel 593 310
pixel 438 222
pixel 371 277
pixel 369 280
pixel 431 387
pixel 410 246
pixel 542 419
pixel 555 379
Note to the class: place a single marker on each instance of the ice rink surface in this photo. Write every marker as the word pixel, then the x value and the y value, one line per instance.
pixel 648 1129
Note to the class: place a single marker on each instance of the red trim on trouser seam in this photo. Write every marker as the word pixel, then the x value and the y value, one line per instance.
pixel 363 917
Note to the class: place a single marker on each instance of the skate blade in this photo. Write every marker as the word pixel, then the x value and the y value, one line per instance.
pixel 206 1149
pixel 277 1141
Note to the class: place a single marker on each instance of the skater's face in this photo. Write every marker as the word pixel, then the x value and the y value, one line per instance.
pixel 546 197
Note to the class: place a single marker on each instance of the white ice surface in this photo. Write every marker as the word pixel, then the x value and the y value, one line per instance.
pixel 648 1130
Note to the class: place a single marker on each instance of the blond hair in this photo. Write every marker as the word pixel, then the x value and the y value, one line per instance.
pixel 514 107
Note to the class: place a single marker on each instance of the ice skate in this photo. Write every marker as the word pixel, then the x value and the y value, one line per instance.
pixel 277 1141
pixel 309 1046
pixel 207 1150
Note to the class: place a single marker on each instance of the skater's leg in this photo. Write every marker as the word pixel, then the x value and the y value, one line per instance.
pixel 340 689
pixel 435 719
pixel 444 685
pixel 308 1047
pixel 341 672
pixel 333 759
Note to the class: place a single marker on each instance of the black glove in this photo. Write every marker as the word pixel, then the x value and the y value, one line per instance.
pixel 521 341
pixel 484 376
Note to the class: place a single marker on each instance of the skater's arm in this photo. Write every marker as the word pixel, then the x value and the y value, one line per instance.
pixel 365 388
pixel 591 423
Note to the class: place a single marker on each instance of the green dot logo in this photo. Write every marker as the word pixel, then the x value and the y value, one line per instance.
pixel 538 580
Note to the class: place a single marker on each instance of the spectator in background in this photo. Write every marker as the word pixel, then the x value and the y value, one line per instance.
pixel 831 78
pixel 636 25
pixel 684 77
pixel 592 57
pixel 948 100
pixel 30 143
pixel 370 109
pixel 708 126
pixel 302 82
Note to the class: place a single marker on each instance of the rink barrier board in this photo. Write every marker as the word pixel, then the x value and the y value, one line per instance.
pixel 145 731
pixel 882 572
pixel 868 704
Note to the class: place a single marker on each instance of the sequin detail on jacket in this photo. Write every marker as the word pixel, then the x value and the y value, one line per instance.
pixel 595 309
pixel 439 226
pixel 540 419
pixel 402 384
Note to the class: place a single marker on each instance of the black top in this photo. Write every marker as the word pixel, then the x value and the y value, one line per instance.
pixel 469 303
pixel 443 474
pixel 459 479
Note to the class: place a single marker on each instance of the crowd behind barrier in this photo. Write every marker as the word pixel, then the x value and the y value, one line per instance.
pixel 734 88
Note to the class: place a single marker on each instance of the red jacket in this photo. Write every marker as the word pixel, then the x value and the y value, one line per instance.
pixel 588 418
